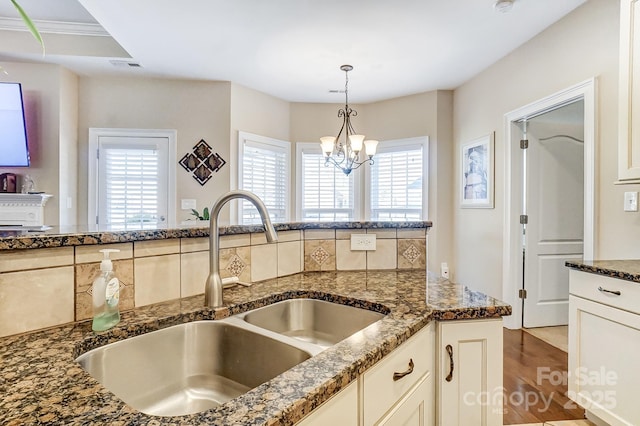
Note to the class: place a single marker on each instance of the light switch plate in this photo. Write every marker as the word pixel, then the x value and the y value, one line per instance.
pixel 363 242
pixel 187 203
pixel 630 201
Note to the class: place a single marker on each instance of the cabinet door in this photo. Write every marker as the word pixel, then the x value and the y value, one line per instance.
pixel 341 409
pixel 604 343
pixel 415 409
pixel 469 382
pixel 629 99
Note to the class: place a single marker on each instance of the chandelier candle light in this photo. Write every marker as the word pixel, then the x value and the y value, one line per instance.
pixel 344 153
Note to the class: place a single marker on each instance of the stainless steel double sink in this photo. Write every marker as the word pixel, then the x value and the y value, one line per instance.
pixel 192 367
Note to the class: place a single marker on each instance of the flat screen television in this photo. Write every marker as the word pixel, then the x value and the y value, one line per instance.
pixel 14 149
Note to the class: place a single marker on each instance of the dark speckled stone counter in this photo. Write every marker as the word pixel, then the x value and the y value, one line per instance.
pixel 78 236
pixel 42 384
pixel 628 270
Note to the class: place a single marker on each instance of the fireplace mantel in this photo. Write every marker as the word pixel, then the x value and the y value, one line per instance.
pixel 22 209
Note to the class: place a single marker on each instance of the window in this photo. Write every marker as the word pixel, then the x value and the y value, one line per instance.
pixel 397 181
pixel 264 170
pixel 131 178
pixel 325 193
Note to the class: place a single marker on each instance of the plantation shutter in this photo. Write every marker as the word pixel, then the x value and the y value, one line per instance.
pixel 132 184
pixel 327 193
pixel 265 172
pixel 396 184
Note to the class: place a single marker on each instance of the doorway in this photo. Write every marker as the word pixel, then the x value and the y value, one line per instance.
pixel 549 208
pixel 131 178
pixel 552 152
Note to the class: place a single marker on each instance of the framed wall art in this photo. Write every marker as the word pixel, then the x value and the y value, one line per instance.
pixel 477 173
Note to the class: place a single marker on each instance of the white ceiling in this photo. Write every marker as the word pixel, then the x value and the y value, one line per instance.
pixel 292 49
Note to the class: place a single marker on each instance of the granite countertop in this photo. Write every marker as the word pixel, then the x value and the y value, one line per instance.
pixel 628 270
pixel 42 384
pixel 11 239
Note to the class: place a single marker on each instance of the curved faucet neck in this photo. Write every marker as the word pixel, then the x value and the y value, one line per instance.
pixel 213 286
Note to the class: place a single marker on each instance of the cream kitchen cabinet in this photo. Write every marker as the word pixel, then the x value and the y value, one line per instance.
pixel 629 99
pixel 604 342
pixel 469 379
pixel 415 409
pixel 398 390
pixel 340 409
pixel 403 389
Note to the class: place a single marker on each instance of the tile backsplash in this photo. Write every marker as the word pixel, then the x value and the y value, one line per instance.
pixel 40 288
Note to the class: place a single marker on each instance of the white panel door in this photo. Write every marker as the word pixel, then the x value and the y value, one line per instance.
pixel 554 233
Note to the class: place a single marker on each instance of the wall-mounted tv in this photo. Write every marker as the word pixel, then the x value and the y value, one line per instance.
pixel 14 149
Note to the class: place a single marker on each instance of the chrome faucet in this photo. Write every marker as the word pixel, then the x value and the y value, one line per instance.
pixel 213 286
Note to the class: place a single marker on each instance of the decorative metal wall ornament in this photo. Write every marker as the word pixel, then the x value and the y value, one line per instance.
pixel 202 162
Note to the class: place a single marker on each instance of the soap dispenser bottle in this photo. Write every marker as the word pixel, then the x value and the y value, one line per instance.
pixel 106 295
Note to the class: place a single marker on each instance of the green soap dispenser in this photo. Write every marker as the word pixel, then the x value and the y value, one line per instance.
pixel 106 295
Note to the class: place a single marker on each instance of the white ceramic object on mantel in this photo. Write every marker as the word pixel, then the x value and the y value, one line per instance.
pixel 22 209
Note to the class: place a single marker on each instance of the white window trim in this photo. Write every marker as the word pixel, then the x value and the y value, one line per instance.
pixel 96 133
pixel 315 146
pixel 236 210
pixel 391 145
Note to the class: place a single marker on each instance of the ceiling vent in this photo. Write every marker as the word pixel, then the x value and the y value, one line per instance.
pixel 125 64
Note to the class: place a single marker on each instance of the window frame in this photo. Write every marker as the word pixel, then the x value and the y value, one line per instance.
pixel 93 165
pixel 401 145
pixel 301 147
pixel 266 143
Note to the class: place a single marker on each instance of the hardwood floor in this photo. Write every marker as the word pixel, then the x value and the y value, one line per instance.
pixel 535 381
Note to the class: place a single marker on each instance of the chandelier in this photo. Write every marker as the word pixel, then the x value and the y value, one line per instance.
pixel 345 153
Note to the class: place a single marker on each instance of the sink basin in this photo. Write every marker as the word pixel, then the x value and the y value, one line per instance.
pixel 190 367
pixel 310 320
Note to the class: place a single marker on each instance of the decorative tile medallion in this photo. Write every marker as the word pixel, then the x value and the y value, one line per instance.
pixel 236 266
pixel 320 255
pixel 202 162
pixel 411 253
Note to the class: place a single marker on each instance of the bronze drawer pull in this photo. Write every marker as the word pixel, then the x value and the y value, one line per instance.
pixel 449 349
pixel 604 290
pixel 398 376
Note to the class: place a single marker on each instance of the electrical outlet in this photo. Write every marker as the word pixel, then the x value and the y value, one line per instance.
pixel 444 270
pixel 363 242
pixel 187 204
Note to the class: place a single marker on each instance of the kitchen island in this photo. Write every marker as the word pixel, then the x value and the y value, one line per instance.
pixel 41 382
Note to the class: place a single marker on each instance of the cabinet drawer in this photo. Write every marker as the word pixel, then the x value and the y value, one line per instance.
pixel 380 391
pixel 340 409
pixel 586 285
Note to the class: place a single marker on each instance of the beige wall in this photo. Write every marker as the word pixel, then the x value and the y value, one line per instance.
pixel 67 195
pixel 425 114
pixel 581 46
pixel 42 93
pixel 196 109
pixel 258 113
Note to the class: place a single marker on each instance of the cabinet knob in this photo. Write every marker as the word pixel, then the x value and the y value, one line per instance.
pixel 398 376
pixel 449 349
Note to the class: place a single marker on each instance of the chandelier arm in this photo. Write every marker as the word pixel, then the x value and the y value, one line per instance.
pixel 337 164
pixel 358 164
